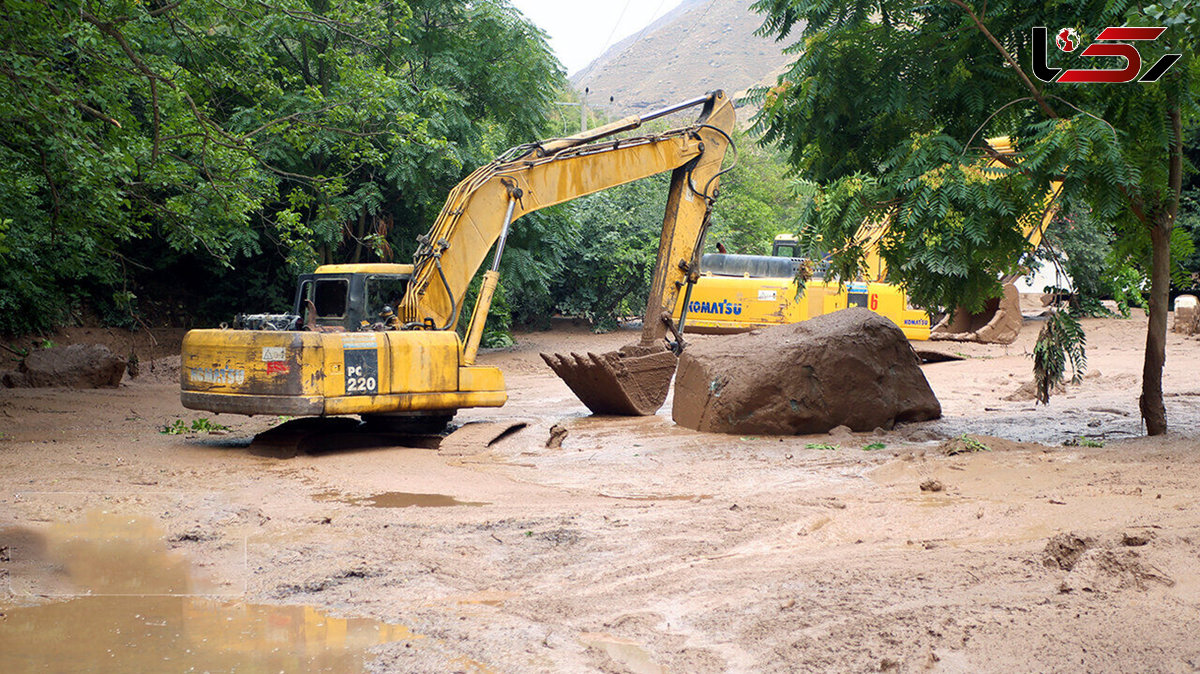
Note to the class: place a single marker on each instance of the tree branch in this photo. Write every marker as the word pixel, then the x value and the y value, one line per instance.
pixel 163 10
pixel 54 89
pixel 1037 94
pixel 157 120
pixel 295 116
pixel 996 156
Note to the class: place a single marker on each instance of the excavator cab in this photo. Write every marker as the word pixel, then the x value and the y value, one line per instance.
pixel 786 245
pixel 351 298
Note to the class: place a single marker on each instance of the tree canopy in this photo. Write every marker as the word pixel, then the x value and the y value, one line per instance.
pixel 887 105
pixel 137 134
pixel 172 162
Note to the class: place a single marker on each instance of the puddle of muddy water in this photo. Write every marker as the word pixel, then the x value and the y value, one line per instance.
pixel 628 653
pixel 398 499
pixel 126 604
pixel 493 598
pixel 659 497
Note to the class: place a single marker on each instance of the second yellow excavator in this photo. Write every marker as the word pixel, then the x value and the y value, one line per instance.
pixel 380 340
pixel 736 293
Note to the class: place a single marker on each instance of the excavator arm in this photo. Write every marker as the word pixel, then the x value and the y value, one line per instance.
pixel 479 211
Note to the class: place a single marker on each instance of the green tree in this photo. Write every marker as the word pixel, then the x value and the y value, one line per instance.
pixel 138 135
pixel 614 239
pixel 887 103
pixel 756 202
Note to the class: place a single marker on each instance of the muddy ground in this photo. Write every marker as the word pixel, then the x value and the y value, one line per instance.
pixel 636 546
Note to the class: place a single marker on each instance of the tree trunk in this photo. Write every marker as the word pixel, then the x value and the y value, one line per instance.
pixel 1154 413
pixel 360 232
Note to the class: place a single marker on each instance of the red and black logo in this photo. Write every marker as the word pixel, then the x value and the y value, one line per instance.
pixel 1111 41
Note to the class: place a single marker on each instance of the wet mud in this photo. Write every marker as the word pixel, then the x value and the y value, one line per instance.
pixel 627 655
pixel 120 601
pixel 621 544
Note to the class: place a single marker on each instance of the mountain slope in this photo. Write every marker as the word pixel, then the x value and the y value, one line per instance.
pixel 699 46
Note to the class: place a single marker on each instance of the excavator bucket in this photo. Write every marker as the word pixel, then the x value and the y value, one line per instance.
pixel 998 323
pixel 630 382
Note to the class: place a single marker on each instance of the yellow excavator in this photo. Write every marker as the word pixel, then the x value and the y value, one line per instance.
pixel 380 340
pixel 736 293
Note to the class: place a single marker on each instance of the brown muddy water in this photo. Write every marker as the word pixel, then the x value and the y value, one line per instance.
pixel 630 654
pixel 119 601
pixel 398 499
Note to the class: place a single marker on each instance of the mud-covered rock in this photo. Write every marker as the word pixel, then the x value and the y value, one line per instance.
pixel 850 368
pixel 1064 550
pixel 74 366
pixel 13 379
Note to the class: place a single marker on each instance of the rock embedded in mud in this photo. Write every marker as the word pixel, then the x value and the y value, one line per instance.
pixel 1135 540
pixel 1064 550
pixel 74 366
pixel 558 433
pixel 850 368
pixel 11 379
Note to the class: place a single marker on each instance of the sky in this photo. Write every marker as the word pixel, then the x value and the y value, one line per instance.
pixel 581 30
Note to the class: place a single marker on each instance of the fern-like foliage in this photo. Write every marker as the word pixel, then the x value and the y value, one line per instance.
pixel 1060 344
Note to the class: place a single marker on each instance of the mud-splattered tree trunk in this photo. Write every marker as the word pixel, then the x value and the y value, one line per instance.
pixel 1153 409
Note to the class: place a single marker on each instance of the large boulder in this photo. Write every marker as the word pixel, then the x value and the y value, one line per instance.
pixel 74 366
pixel 849 368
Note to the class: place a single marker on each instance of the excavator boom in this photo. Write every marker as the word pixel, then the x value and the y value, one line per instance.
pixel 635 379
pixel 538 175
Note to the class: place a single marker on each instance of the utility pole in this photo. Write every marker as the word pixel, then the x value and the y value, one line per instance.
pixel 582 108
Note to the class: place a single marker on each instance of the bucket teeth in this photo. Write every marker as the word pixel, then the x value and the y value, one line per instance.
pixel 615 382
pixel 553 360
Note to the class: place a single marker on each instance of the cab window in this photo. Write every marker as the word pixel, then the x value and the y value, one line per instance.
pixel 385 291
pixel 786 250
pixel 329 297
